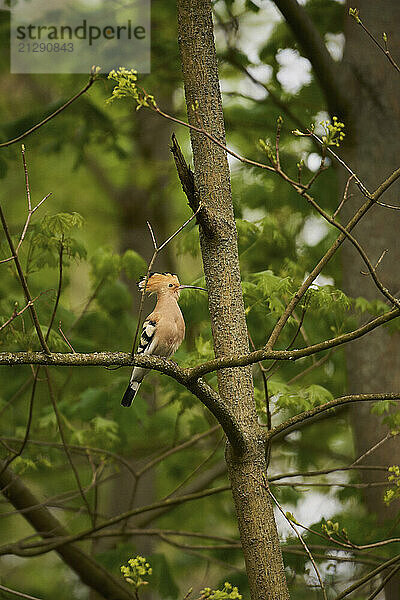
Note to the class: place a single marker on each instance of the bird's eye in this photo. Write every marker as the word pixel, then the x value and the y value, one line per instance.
pixel 170 285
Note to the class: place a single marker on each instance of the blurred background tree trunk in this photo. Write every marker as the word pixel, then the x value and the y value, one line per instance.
pixel 373 151
pixel 367 97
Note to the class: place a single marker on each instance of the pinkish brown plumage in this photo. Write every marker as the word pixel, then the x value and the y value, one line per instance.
pixel 163 330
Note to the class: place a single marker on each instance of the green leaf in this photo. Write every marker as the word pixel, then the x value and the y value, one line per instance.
pixel 114 297
pixel 105 429
pixel 382 407
pixel 74 248
pixel 292 518
pixel 105 264
pixel 327 300
pixel 92 401
pixel 60 223
pixel 318 394
pixel 133 264
pixel 204 348
pixel 362 304
pixel 269 283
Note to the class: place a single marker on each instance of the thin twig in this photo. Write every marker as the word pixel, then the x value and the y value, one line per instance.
pixel 328 255
pixel 279 476
pixel 17 314
pixel 357 245
pixel 66 448
pixel 18 453
pixel 291 423
pixel 196 469
pixel 49 545
pixel 265 384
pixel 171 237
pixel 183 446
pixel 383 583
pixel 282 105
pixel 24 285
pixel 5 260
pixel 142 296
pixel 277 141
pixel 357 486
pixel 384 49
pixel 315 365
pixel 387 437
pixel 320 170
pixel 378 262
pixel 358 181
pixel 28 191
pixel 36 372
pixel 86 307
pixel 19 594
pixel 92 79
pixel 30 213
pixel 345 197
pixel 16 394
pixel 161 458
pixel 153 237
pixel 65 338
pixel 59 287
pixel 157 250
pixel 368 577
pixel 81 450
pixel 388 205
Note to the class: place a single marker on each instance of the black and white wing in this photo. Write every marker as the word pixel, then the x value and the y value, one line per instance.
pixel 147 343
pixel 147 337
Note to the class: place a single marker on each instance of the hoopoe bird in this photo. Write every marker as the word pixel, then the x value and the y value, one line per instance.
pixel 163 330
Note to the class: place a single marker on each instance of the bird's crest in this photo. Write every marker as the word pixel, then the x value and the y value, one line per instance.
pixel 158 280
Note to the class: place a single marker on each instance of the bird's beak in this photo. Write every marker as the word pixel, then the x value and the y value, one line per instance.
pixel 191 287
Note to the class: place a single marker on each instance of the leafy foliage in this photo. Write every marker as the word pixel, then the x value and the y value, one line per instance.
pixel 98 161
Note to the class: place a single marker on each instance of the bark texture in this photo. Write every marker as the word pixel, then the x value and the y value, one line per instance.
pixel 221 266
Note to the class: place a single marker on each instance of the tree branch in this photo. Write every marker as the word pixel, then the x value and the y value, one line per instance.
pixel 92 79
pixel 189 377
pixel 267 354
pixel 368 576
pixel 43 521
pixel 371 200
pixel 24 284
pixel 292 423
pixel 326 70
pixel 19 594
pixel 62 538
pixel 204 392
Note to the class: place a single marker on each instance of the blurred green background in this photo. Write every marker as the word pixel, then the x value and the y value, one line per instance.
pixel 112 166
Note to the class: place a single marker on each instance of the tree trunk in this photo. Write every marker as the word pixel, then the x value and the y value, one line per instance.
pixel 373 362
pixel 221 266
pixel 367 96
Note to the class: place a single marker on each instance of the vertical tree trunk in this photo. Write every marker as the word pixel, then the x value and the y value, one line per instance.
pixel 373 362
pixel 367 96
pixel 221 266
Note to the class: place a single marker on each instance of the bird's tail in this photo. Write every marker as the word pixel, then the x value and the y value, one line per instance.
pixel 134 384
pixel 130 393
